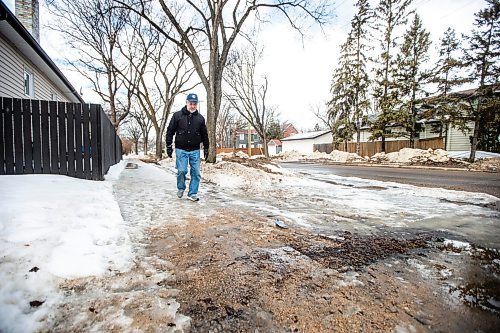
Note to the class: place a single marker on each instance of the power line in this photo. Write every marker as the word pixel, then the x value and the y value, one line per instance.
pixel 456 10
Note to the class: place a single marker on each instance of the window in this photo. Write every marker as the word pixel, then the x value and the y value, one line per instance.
pixel 242 137
pixel 29 89
pixel 54 97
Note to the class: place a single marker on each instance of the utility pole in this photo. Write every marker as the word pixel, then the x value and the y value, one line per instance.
pixel 249 141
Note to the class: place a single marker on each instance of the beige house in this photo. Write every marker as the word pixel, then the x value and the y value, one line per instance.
pixel 26 71
pixel 455 139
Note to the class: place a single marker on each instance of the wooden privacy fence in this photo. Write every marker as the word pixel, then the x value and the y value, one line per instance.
pixel 48 137
pixel 255 151
pixel 371 148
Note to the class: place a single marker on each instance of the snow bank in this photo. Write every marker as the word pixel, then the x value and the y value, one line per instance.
pixel 405 155
pixel 335 156
pixel 234 175
pixel 409 155
pixel 487 164
pixel 289 156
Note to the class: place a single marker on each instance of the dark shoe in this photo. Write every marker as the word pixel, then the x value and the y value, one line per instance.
pixel 180 194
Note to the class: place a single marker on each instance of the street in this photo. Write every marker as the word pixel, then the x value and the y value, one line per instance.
pixel 483 182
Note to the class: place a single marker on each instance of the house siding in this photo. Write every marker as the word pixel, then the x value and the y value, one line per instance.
pixel 427 132
pixel 11 84
pixel 458 141
pixel 305 146
pixel 12 75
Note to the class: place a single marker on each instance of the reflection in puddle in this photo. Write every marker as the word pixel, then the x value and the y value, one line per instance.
pixel 475 277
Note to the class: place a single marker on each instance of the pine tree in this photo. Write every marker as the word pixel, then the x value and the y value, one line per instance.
pixel 350 80
pixel 389 14
pixel 482 56
pixel 275 130
pixel 447 75
pixel 339 107
pixel 411 76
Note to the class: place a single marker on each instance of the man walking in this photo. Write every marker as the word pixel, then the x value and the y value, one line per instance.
pixel 189 128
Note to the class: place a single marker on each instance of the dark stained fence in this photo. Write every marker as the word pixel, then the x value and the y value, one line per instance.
pixel 371 148
pixel 47 137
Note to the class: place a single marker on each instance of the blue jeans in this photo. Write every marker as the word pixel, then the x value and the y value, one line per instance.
pixel 182 157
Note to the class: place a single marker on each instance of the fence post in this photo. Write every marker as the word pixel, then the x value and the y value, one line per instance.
pixel 27 142
pixel 18 136
pixel 79 147
pixel 44 113
pixel 94 139
pixel 86 141
pixel 3 106
pixel 37 142
pixel 70 138
pixel 54 145
pixel 63 159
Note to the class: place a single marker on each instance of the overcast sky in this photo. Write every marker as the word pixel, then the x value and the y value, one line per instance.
pixel 299 72
pixel 300 77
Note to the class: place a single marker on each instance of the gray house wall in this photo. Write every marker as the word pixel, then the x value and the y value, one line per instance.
pixel 12 75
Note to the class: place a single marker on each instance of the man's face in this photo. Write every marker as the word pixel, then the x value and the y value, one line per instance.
pixel 191 106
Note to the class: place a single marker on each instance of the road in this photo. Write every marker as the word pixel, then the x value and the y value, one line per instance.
pixel 483 182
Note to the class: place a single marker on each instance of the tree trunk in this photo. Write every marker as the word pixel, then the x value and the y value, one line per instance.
pixel 159 152
pixel 475 134
pixel 146 144
pixel 358 143
pixel 266 149
pixel 214 97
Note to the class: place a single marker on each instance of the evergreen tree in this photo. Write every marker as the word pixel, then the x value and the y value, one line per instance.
pixel 482 57
pixel 350 80
pixel 340 106
pixel 447 107
pixel 389 14
pixel 411 75
pixel 275 130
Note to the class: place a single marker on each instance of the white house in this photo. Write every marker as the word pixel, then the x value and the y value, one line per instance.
pixel 304 142
pixel 26 70
pixel 274 146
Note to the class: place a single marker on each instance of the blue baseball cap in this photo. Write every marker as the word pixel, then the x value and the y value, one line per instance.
pixel 192 98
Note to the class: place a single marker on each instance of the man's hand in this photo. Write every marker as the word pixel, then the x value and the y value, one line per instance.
pixel 205 153
pixel 169 151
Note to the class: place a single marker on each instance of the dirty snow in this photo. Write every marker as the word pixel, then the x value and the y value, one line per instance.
pixel 485 161
pixel 54 227
pixel 457 244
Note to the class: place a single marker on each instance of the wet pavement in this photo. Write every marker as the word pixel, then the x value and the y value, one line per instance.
pixel 439 177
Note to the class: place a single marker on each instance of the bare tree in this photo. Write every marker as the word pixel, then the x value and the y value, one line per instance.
pixel 156 73
pixel 216 25
pixel 321 113
pixel 93 27
pixel 133 131
pixel 144 123
pixel 224 121
pixel 247 96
